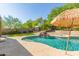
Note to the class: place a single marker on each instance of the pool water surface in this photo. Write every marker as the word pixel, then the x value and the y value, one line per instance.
pixel 56 42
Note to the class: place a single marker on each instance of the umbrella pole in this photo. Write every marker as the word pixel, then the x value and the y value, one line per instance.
pixel 68 42
pixel 69 36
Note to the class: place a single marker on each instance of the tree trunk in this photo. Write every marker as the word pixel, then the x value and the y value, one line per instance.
pixel 0 27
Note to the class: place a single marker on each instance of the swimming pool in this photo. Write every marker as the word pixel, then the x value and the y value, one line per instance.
pixel 56 42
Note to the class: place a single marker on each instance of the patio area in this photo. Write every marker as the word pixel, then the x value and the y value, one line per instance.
pixel 12 47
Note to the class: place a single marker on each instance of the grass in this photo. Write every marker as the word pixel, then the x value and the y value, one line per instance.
pixel 23 34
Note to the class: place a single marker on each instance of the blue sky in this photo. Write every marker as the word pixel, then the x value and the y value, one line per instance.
pixel 28 10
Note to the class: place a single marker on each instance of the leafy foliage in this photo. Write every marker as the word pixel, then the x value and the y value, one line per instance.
pixel 58 10
pixel 13 23
pixel 44 24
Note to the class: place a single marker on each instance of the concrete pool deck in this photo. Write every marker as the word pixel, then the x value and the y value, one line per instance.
pixel 39 49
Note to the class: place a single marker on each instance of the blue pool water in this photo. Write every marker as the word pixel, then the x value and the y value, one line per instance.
pixel 56 42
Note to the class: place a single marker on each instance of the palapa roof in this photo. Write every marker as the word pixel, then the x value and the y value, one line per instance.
pixel 67 18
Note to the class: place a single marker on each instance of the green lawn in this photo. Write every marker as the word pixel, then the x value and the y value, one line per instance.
pixel 23 34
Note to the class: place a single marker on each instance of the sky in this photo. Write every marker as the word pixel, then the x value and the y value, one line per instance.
pixel 26 11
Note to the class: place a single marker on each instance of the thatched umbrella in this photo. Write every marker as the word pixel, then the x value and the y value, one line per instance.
pixel 68 18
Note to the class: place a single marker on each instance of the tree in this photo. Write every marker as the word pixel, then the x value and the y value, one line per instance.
pixel 46 25
pixel 13 23
pixel 58 10
pixel 39 21
pixel 32 23
pixel 28 24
